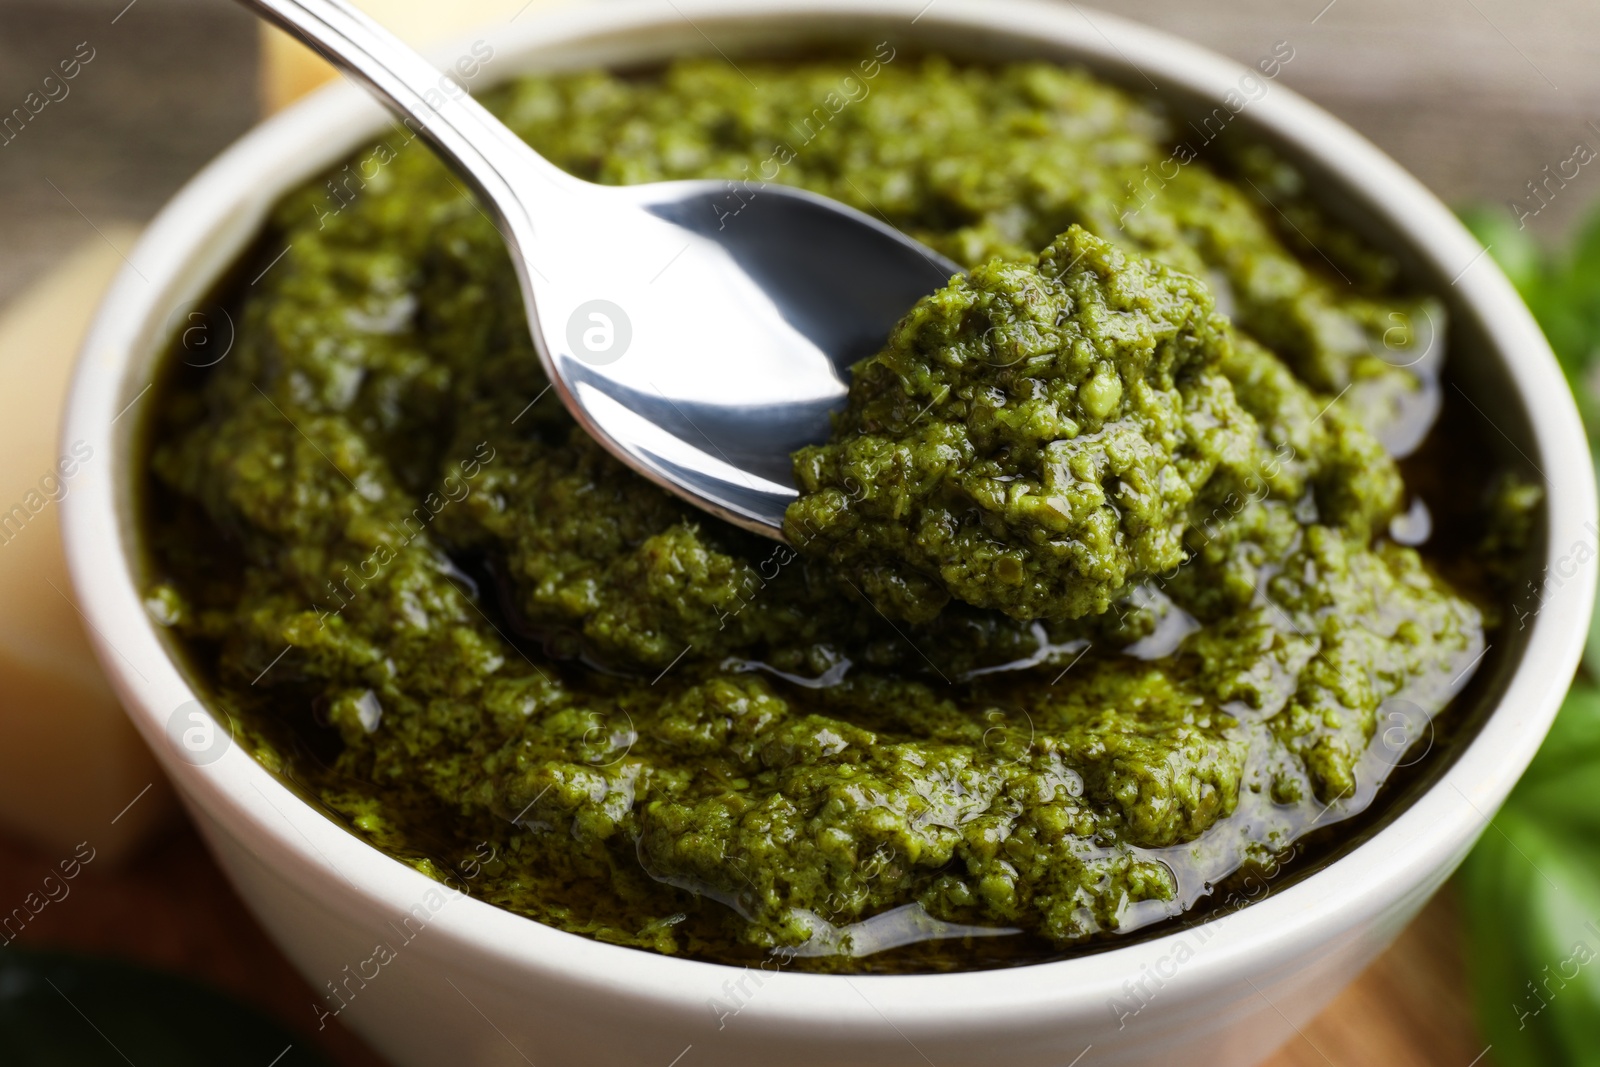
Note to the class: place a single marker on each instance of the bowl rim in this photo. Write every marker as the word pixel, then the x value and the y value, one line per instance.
pixel 184 248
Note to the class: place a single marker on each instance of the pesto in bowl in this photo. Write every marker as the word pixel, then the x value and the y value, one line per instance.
pixel 1097 598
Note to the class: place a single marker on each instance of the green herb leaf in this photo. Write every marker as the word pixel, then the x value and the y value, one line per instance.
pixel 1531 893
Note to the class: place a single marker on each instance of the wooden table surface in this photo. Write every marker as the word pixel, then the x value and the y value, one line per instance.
pixel 172 908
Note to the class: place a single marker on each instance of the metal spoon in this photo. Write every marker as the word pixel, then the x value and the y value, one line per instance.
pixel 699 330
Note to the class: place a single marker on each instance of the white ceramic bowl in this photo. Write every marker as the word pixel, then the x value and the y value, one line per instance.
pixel 465 983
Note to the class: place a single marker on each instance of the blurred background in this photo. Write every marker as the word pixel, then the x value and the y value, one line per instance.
pixel 1476 97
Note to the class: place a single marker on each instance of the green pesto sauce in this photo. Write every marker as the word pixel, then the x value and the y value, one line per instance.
pixel 1035 438
pixel 1093 606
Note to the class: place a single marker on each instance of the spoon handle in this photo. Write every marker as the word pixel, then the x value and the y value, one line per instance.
pixel 429 101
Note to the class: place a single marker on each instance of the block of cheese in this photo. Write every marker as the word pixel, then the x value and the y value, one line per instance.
pixel 289 70
pixel 70 761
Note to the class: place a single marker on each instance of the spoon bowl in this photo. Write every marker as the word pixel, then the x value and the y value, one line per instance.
pixel 701 331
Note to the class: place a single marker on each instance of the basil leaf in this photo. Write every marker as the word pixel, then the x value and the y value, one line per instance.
pixel 1531 894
